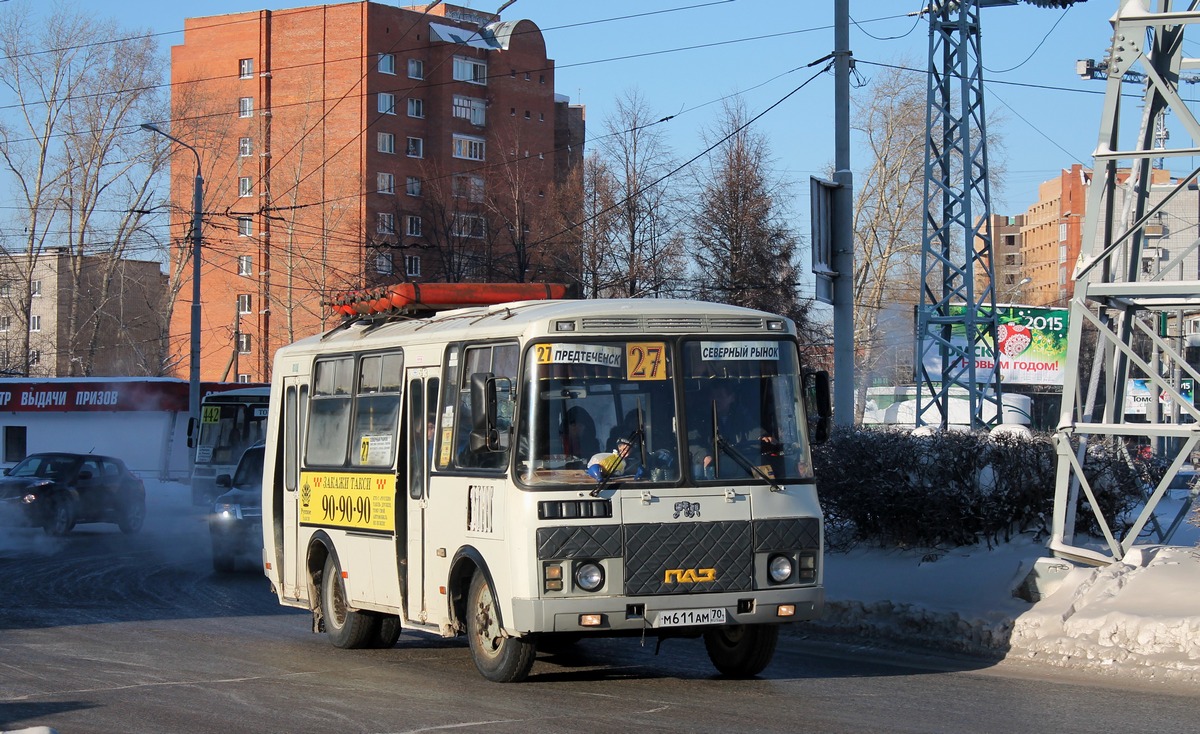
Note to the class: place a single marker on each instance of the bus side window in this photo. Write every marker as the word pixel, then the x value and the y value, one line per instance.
pixel 501 361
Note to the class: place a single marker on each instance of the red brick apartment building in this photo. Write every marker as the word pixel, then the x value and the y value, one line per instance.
pixel 358 144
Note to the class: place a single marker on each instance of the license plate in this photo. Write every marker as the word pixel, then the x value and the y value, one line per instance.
pixel 687 617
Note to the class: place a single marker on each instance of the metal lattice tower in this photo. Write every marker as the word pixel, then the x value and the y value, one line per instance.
pixel 957 317
pixel 1123 304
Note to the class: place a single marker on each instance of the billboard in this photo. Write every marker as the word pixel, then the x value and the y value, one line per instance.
pixel 1140 396
pixel 1032 346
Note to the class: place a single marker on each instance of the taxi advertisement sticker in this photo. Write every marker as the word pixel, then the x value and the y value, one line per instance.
pixel 345 500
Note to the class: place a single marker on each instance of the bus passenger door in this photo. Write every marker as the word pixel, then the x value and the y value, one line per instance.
pixel 420 422
pixel 292 422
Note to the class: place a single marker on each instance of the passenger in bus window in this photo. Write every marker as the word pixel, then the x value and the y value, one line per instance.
pixel 579 433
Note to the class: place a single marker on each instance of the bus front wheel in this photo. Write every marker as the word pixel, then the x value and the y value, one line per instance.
pixel 741 651
pixel 500 659
pixel 346 628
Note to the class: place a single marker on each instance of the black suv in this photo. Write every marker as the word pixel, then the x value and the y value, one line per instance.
pixel 236 520
pixel 58 490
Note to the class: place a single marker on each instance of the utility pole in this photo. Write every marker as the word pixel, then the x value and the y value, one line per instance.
pixel 197 212
pixel 842 225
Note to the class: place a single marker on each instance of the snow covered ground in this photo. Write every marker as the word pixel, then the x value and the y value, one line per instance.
pixel 1138 617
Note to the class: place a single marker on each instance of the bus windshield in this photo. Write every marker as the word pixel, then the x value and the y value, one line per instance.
pixel 742 404
pixel 227 429
pixel 598 412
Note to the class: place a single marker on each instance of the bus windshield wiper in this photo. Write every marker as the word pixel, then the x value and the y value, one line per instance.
pixel 745 463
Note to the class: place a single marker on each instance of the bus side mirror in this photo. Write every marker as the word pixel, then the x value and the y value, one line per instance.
pixel 484 436
pixel 823 404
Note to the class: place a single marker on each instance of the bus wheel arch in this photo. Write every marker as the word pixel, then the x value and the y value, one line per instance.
pixel 466 562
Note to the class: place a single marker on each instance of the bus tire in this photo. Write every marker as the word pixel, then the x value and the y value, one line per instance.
pixel 387 632
pixel 741 651
pixel 500 659
pixel 346 628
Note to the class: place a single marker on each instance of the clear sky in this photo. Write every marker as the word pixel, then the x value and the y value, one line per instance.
pixel 685 55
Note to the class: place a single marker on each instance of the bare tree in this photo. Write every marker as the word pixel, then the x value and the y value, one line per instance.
pixel 890 116
pixel 743 249
pixel 78 165
pixel 647 250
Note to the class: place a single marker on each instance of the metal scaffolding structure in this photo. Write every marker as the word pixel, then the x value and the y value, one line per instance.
pixel 957 318
pixel 1120 305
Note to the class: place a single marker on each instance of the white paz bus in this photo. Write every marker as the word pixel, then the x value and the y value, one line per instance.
pixel 532 472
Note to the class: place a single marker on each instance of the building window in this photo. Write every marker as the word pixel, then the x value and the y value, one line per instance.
pixel 1062 232
pixel 470 70
pixel 387 223
pixel 5 323
pixel 243 343
pixel 245 188
pixel 35 356
pixel 245 226
pixel 526 114
pixel 245 68
pixel 468 187
pixel 386 183
pixel 472 149
pixel 412 225
pixel 243 377
pixel 35 322
pixel 541 78
pixel 5 290
pixel 35 288
pixel 412 265
pixel 244 147
pixel 412 186
pixel 383 264
pixel 469 108
pixel 245 267
pixel 387 103
pixel 243 303
pixel 246 107
pixel 385 142
pixel 1010 259
pixel 387 63
pixel 416 69
pixel 541 117
pixel 416 107
pixel 415 148
pixel 14 443
pixel 468 225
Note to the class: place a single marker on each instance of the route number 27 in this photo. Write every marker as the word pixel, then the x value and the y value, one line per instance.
pixel 645 360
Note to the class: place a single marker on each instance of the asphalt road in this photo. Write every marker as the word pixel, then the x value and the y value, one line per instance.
pixel 100 632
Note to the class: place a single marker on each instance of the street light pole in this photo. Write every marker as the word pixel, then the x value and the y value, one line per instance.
pixel 197 210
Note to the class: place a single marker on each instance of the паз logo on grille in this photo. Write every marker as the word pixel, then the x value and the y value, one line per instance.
pixel 689 575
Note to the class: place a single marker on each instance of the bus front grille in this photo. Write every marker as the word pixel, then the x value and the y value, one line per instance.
pixel 689 557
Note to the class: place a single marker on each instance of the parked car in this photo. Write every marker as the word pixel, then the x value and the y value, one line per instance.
pixel 236 520
pixel 57 491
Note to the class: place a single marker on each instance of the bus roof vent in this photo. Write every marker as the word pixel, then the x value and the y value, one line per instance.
pixel 735 322
pixel 609 323
pixel 674 323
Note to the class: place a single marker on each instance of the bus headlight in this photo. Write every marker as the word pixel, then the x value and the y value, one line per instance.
pixel 779 568
pixel 589 576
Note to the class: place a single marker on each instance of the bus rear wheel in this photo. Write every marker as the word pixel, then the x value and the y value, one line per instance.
pixel 346 628
pixel 500 659
pixel 741 651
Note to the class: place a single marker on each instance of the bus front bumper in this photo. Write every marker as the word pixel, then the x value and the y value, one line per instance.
pixel 602 614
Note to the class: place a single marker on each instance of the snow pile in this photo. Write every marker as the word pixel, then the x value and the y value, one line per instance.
pixel 1140 616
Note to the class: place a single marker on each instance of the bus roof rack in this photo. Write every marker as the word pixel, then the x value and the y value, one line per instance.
pixel 414 298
